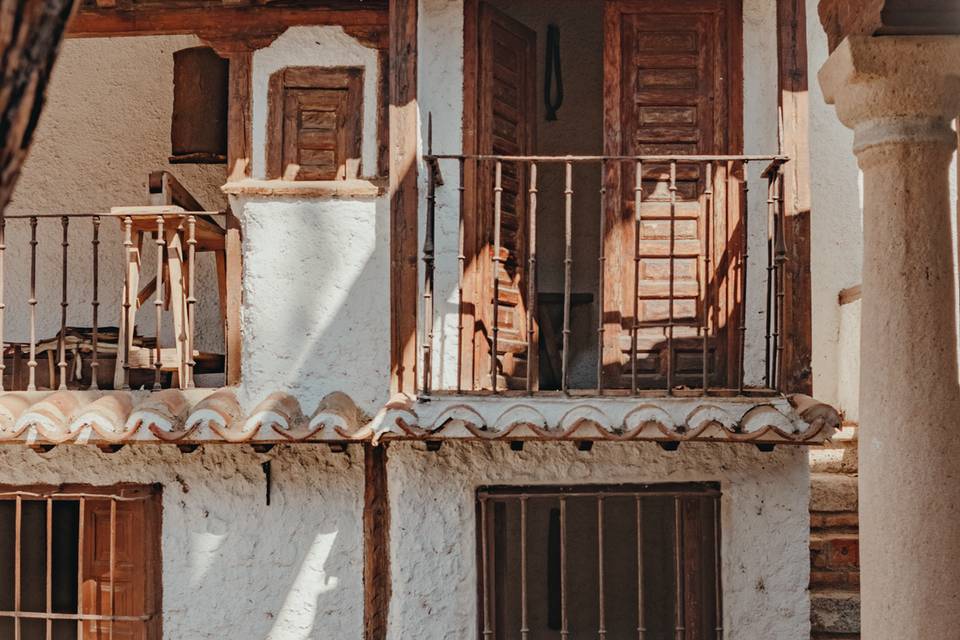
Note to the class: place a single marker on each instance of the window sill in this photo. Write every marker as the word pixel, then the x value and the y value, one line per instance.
pixel 306 188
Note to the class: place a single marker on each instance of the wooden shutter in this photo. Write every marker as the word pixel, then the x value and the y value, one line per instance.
pixel 506 120
pixel 198 132
pixel 136 545
pixel 671 75
pixel 315 131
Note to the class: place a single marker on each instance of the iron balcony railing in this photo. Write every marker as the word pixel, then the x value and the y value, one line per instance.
pixel 675 309
pixel 83 344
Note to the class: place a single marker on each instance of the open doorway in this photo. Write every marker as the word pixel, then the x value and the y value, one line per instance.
pixel 568 281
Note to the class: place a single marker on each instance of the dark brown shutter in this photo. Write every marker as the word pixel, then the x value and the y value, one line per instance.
pixel 200 87
pixel 507 116
pixel 315 123
pixel 669 83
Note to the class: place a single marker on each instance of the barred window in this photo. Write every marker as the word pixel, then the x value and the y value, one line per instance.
pixel 622 561
pixel 78 563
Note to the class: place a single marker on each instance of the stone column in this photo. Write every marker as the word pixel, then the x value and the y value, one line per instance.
pixel 899 94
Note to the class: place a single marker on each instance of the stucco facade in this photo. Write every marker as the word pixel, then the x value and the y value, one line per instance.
pixel 315 319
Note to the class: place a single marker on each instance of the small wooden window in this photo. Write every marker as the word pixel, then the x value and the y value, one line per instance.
pixel 315 123
pixel 198 132
pixel 80 562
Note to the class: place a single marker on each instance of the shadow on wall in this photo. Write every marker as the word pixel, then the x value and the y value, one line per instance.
pixel 234 567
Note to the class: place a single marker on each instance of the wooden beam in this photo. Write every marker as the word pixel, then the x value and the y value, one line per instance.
pixel 221 21
pixel 376 543
pixel 797 376
pixel 30 35
pixel 239 153
pixel 403 194
pixel 841 18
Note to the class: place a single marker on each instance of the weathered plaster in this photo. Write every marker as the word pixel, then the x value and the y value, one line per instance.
pixel 320 47
pixel 432 500
pixel 315 314
pixel 105 127
pixel 234 567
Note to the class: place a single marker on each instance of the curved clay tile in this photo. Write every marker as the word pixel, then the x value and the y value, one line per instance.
pixel 51 416
pixel 648 421
pixel 219 416
pixel 163 413
pixel 12 406
pixel 338 417
pixel 108 417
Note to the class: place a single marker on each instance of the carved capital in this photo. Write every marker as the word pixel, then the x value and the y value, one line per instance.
pixel 895 89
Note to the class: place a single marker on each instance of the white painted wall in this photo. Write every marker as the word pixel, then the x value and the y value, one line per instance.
pixel 105 127
pixel 316 299
pixel 835 229
pixel 433 526
pixel 314 47
pixel 234 567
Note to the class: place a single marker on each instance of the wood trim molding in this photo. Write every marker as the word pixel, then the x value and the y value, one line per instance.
pixel 222 22
pixel 404 201
pixel 796 373
pixel 306 188
pixel 376 543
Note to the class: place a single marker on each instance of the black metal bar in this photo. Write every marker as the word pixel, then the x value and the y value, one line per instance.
pixel 497 260
pixel 532 278
pixel 707 276
pixel 635 326
pixel 601 273
pixel 567 272
pixel 672 284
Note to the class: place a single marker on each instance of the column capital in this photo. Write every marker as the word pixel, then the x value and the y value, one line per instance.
pixel 892 89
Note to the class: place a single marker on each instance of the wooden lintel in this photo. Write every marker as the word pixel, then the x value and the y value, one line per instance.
pixel 796 374
pixel 214 22
pixel 403 194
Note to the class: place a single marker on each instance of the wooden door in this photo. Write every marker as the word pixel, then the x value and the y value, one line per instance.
pixel 136 543
pixel 672 83
pixel 506 81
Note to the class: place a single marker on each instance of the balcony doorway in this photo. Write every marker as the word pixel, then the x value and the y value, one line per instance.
pixel 565 281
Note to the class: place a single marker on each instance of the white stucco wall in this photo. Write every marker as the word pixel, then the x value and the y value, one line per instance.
pixel 105 127
pixel 836 237
pixel 314 47
pixel 433 526
pixel 234 567
pixel 316 299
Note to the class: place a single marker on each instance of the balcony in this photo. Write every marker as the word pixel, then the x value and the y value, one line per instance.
pixel 131 298
pixel 644 286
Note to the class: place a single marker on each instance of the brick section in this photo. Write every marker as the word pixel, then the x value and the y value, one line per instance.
pixel 834 552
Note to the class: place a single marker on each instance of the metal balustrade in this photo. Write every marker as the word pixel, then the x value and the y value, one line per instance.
pixel 706 194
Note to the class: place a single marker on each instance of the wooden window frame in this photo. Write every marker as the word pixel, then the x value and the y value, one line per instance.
pixel 336 78
pixel 151 495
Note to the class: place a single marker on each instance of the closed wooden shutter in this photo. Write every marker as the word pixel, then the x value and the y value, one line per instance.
pixel 670 77
pixel 506 126
pixel 315 131
pixel 198 132
pixel 136 563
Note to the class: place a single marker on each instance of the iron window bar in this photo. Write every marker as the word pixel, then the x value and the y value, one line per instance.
pixel 48 615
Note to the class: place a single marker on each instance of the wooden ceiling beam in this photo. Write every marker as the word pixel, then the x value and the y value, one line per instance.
pixel 841 18
pixel 215 21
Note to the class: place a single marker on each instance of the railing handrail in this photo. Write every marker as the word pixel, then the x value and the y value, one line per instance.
pixel 111 214
pixel 600 158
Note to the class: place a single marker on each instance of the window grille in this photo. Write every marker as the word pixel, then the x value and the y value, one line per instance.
pixel 626 561
pixel 79 563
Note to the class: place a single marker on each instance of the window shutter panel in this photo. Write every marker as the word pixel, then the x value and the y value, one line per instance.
pixel 198 132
